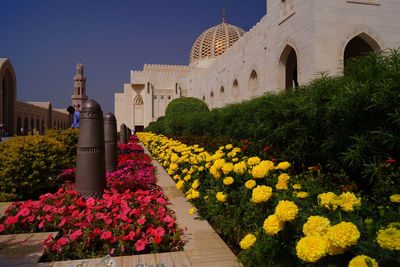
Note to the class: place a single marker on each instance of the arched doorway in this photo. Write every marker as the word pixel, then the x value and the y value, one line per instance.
pixel 289 67
pixel 360 45
pixel 19 125
pixel 32 124
pixel 37 125
pixel 7 85
pixel 253 83
pixel 235 91
pixel 221 96
pixel 26 125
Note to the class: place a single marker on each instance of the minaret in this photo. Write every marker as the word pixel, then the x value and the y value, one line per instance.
pixel 79 97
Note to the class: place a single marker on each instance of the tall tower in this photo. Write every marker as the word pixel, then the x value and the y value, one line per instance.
pixel 79 97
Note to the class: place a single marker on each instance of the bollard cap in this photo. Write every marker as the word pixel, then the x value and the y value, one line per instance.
pixel 109 118
pixel 91 109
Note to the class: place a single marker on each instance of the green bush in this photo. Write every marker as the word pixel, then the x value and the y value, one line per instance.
pixel 156 126
pixel 69 139
pixel 29 165
pixel 178 111
pixel 349 122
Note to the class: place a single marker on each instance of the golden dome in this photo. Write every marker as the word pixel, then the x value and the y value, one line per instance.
pixel 215 41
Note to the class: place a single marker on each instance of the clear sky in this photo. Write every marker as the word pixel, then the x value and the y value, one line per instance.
pixel 45 39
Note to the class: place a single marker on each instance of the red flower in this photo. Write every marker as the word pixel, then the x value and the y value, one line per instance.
pixel 315 168
pixel 141 221
pixel 273 160
pixel 344 189
pixel 62 241
pixel 390 161
pixel 140 244
pixel 97 231
pixel 75 235
pixel 106 235
pixel 129 236
pixel 24 212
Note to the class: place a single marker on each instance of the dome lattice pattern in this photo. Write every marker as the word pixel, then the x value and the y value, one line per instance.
pixel 215 41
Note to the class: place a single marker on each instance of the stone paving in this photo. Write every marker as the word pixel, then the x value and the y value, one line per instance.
pixel 203 246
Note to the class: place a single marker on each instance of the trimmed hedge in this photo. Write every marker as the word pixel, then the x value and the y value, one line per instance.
pixel 349 122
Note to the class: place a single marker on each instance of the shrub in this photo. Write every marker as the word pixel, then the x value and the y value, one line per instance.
pixel 176 111
pixel 29 165
pixel 69 139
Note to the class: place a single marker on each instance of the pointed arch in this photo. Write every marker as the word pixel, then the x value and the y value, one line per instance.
pixel 212 99
pixel 288 67
pixel 253 83
pixel 360 45
pixel 235 91
pixel 222 96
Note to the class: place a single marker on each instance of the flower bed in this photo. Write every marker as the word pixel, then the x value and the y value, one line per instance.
pixel 131 218
pixel 278 219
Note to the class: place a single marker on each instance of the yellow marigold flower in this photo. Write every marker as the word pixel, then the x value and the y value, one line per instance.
pixel 208 165
pixel 179 185
pixel 221 148
pixel 228 181
pixel 302 194
pixel 219 163
pixel 193 194
pixel 176 177
pixel 253 161
pixel 240 167
pixel 173 166
pixel 311 248
pixel 231 154
pixel 206 197
pixel 283 166
pixel 389 238
pixel 215 172
pixel 187 177
pixel 297 186
pixel 269 165
pixel 248 241
pixel 316 225
pixel 221 196
pixel 195 184
pixel 200 169
pixel 363 261
pixel 395 198
pixel 250 184
pixel 286 210
pixel 272 225
pixel 191 211
pixel 170 172
pixel 261 194
pixel 235 160
pixel 334 250
pixel 184 170
pixel 227 168
pixel 281 186
pixel 229 146
pixel 259 171
pixel 174 158
pixel 349 201
pixel 328 200
pixel 344 234
pixel 283 177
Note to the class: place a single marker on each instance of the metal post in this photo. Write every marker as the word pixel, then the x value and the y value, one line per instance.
pixel 110 142
pixel 90 166
pixel 123 139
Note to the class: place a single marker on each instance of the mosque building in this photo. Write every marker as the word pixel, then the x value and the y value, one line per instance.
pixel 291 45
pixel 17 115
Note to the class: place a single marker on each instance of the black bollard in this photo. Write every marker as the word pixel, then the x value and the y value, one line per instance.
pixel 123 139
pixel 110 142
pixel 129 133
pixel 90 165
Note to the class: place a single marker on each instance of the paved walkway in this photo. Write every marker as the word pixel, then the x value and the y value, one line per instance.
pixel 203 246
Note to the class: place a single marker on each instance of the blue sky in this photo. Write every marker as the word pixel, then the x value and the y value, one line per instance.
pixel 45 39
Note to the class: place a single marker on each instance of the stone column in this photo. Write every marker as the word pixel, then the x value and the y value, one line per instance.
pixel 90 165
pixel 110 142
pixel 123 139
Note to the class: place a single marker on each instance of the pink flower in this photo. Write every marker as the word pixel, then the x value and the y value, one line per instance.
pixel 41 224
pixel 159 231
pixel 161 201
pixel 11 220
pixel 129 236
pixel 1 228
pixel 49 218
pixel 62 241
pixel 106 235
pixel 24 212
pixel 140 244
pixel 141 221
pixel 75 235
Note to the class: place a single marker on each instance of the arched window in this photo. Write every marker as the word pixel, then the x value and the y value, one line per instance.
pixel 221 96
pixel 235 91
pixel 79 90
pixel 204 98
pixel 212 99
pixel 360 45
pixel 288 67
pixel 253 83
